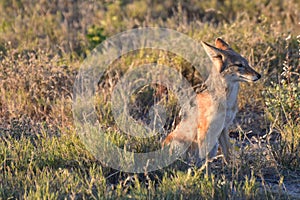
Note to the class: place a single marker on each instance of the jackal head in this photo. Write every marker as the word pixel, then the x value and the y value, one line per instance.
pixel 232 66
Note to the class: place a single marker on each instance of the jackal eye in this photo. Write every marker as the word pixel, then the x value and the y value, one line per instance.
pixel 239 65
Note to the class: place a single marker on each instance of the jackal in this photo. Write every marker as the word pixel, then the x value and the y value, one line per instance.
pixel 215 114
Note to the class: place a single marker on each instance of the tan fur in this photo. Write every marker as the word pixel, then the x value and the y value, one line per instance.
pixel 229 68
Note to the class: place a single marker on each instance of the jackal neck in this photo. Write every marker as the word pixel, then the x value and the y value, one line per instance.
pixel 232 91
pixel 216 85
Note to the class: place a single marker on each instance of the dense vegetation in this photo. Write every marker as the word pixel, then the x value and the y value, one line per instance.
pixel 43 43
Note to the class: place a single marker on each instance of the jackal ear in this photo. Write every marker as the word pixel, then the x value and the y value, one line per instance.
pixel 221 44
pixel 216 55
pixel 212 52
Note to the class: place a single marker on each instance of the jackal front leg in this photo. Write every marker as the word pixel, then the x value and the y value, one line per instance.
pixel 225 144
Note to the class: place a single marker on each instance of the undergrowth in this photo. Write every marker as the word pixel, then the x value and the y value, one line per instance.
pixel 43 43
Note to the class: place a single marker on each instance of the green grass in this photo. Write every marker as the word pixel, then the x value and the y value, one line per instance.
pixel 43 43
pixel 58 167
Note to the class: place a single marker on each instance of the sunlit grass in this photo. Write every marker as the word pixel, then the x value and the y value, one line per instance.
pixel 41 47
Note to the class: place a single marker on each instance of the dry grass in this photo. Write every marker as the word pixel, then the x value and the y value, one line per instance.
pixel 42 44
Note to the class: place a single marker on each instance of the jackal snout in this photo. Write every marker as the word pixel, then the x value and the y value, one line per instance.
pixel 241 72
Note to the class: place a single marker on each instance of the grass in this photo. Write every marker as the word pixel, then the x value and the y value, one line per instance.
pixel 42 45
